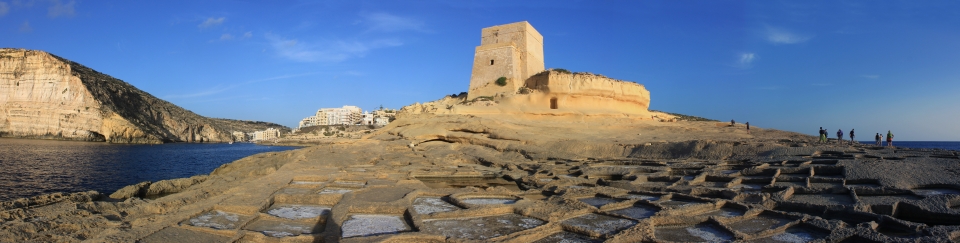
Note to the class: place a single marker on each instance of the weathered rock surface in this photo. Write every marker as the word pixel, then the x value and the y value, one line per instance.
pixel 471 178
pixel 45 96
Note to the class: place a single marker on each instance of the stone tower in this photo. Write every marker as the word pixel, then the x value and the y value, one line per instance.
pixel 514 51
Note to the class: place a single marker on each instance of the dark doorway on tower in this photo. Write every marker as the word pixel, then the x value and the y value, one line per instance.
pixel 491 62
pixel 553 103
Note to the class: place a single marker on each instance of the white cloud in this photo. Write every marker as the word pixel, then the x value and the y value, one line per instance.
pixel 782 36
pixel 325 51
pixel 4 8
pixel 225 37
pixel 384 22
pixel 211 22
pixel 25 27
pixel 747 58
pixel 61 9
pixel 870 76
pixel 248 34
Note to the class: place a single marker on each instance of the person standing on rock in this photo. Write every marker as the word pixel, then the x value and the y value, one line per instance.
pixel 748 127
pixel 732 122
pixel 889 139
pixel 878 138
pixel 823 135
pixel 852 140
pixel 840 136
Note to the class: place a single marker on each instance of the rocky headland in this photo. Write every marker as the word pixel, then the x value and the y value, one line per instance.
pixel 502 178
pixel 554 157
pixel 48 97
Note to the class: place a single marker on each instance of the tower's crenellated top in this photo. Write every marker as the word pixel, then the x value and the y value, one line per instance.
pixel 513 51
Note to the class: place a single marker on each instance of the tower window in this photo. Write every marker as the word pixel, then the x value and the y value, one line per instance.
pixel 491 62
pixel 553 103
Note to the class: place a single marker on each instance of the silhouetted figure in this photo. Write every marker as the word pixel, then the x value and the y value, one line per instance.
pixel 879 138
pixel 852 140
pixel 732 122
pixel 748 127
pixel 840 136
pixel 889 139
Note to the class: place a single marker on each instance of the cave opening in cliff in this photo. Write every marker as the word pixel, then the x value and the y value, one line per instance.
pixel 553 103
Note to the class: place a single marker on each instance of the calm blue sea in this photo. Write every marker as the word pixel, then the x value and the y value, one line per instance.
pixel 922 144
pixel 34 167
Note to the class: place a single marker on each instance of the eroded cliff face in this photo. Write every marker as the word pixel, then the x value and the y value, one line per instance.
pixel 583 92
pixel 45 96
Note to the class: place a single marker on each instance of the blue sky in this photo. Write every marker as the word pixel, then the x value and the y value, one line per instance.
pixel 791 65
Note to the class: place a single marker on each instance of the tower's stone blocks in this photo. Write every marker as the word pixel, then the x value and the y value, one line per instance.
pixel 513 51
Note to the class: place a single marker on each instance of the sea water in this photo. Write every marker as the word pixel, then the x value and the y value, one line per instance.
pixel 921 144
pixel 34 167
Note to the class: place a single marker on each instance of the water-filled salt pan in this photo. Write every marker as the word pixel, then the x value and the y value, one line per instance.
pixel 568 237
pixel 281 229
pixel 216 219
pixel 369 225
pixel 599 201
pixel 480 228
pixel 297 211
pixel 600 224
pixel 487 201
pixel 426 205
pixel 333 190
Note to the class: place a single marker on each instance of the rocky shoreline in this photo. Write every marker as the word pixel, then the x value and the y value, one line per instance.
pixel 439 178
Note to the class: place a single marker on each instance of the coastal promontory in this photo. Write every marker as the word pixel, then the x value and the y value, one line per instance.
pixel 48 97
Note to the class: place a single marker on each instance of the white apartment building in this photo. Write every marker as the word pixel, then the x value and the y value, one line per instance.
pixel 269 134
pixel 346 115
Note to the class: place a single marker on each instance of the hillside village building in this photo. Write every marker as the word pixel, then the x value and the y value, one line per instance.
pixel 347 115
pixel 269 134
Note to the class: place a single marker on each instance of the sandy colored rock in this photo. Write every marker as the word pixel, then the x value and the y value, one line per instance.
pixel 48 97
pixel 673 179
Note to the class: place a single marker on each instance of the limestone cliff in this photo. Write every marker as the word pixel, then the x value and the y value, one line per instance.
pixel 49 97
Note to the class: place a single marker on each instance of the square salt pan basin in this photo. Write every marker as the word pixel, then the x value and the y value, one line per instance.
pixel 427 205
pixel 704 232
pixel 480 228
pixel 599 201
pixel 760 223
pixel 297 212
pixel 489 201
pixel 283 229
pixel 370 225
pixel 217 219
pixel 306 182
pixel 334 190
pixel 637 212
pixel 565 237
pixel 927 192
pixel 641 196
pixel 725 212
pixel 600 225
pixel 794 235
